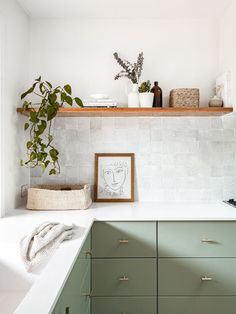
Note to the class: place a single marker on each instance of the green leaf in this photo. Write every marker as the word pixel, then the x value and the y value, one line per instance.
pixel 29 144
pixel 21 163
pixel 26 126
pixel 68 89
pixel 49 84
pixel 52 171
pixel 46 163
pixel 42 88
pixel 42 127
pixel 51 112
pixel 33 156
pixel 52 98
pixel 39 156
pixel 79 102
pixel 29 91
pixel 69 100
pixel 33 117
pixel 38 79
pixel 63 96
pixel 53 153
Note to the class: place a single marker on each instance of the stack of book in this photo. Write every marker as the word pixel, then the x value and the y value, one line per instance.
pixel 100 102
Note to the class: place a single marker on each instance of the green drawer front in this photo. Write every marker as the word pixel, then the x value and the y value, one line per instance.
pixel 82 264
pixel 121 277
pixel 197 276
pixel 197 239
pixel 78 302
pixel 77 284
pixel 197 305
pixel 124 239
pixel 128 305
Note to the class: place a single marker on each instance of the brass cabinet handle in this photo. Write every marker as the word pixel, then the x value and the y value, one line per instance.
pixel 88 295
pixel 123 241
pixel 206 240
pixel 205 278
pixel 88 253
pixel 124 278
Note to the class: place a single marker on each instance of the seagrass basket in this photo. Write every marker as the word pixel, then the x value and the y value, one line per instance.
pixel 59 197
pixel 184 98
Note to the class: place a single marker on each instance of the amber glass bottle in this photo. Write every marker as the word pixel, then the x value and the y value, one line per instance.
pixel 157 101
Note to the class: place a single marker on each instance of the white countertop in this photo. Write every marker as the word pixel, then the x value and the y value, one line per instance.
pixel 43 294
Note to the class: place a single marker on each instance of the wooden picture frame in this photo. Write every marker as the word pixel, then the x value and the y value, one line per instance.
pixel 114 177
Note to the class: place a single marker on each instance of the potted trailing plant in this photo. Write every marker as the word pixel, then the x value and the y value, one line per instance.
pixel 133 72
pixel 145 96
pixel 40 149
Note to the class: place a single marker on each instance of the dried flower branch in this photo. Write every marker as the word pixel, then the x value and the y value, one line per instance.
pixel 131 71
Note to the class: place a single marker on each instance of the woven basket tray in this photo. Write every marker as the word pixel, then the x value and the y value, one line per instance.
pixel 59 197
pixel 185 98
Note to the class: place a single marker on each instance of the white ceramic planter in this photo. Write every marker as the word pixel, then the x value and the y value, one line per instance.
pixel 133 97
pixel 146 100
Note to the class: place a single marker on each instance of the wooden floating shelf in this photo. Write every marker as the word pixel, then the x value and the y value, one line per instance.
pixel 137 112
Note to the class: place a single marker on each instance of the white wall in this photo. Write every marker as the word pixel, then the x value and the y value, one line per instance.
pixel 176 159
pixel 178 53
pixel 14 71
pixel 228 47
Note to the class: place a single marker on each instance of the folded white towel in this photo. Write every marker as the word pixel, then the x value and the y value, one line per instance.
pixel 42 241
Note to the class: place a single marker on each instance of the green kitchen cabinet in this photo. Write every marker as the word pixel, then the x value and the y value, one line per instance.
pixel 197 305
pixel 117 277
pixel 76 293
pixel 197 239
pixel 124 268
pixel 128 305
pixel 197 276
pixel 124 239
pixel 186 267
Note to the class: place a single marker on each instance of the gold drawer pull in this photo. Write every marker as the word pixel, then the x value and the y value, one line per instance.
pixel 124 278
pixel 206 240
pixel 88 295
pixel 123 241
pixel 205 278
pixel 88 253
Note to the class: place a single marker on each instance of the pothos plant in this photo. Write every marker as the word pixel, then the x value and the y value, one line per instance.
pixel 40 148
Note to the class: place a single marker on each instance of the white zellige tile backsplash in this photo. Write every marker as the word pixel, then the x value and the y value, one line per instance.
pixel 176 158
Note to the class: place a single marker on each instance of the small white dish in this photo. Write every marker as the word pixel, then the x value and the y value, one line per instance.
pixel 99 96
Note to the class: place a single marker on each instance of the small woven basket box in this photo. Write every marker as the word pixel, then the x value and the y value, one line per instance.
pixel 59 197
pixel 184 98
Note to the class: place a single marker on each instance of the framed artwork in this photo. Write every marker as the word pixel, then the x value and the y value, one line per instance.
pixel 114 177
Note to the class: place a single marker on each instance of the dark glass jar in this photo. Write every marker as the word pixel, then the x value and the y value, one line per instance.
pixel 157 101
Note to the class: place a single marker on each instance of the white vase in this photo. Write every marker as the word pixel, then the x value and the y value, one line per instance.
pixel 133 97
pixel 146 100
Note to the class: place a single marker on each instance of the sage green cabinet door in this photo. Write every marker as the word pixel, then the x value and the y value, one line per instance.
pixel 197 239
pixel 197 276
pixel 124 239
pixel 74 298
pixel 121 277
pixel 76 301
pixel 80 268
pixel 197 305
pixel 120 305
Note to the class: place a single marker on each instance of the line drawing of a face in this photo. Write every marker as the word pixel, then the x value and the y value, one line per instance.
pixel 115 175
